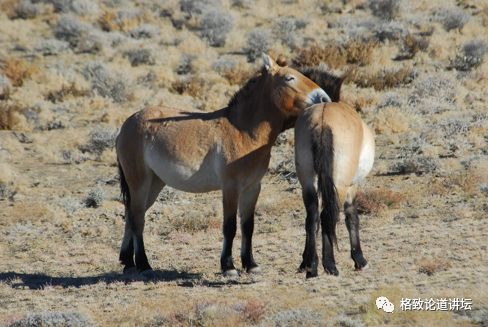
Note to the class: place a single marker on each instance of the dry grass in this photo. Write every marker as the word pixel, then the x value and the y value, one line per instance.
pixel 375 201
pixel 17 70
pixel 73 71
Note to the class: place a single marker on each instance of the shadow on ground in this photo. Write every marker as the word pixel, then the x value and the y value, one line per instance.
pixel 40 281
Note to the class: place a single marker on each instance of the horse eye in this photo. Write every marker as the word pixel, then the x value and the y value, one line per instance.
pixel 289 78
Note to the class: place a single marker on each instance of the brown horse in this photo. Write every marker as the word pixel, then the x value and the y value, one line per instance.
pixel 334 151
pixel 227 150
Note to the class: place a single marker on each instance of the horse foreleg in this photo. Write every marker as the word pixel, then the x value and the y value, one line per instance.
pixel 352 223
pixel 230 200
pixel 247 204
pixel 310 258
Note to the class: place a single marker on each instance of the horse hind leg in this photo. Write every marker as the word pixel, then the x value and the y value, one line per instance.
pixel 247 205
pixel 133 242
pixel 352 223
pixel 310 261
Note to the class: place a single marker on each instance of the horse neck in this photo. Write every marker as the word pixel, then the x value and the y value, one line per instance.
pixel 257 118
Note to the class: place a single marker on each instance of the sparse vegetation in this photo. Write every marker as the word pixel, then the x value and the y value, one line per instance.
pixel 377 200
pixel 215 25
pixel 72 71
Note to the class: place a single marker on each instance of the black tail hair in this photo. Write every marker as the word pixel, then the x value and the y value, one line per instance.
pixel 124 187
pixel 323 156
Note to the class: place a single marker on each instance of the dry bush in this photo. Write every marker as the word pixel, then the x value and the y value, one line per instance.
pixel 244 313
pixel 384 79
pixel 359 51
pixel 238 76
pixel 192 222
pixel 452 18
pixel 434 265
pixel 411 44
pixel 375 201
pixel 17 70
pixel 10 115
pixel 390 119
pixel 121 20
pixel 66 91
pixel 333 55
pixel 140 57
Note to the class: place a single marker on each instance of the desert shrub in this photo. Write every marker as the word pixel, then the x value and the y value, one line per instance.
pixel 257 43
pixel 452 18
pixel 185 64
pixel 434 94
pixel 285 30
pixel 410 45
pixel 391 31
pixel 10 115
pixel 80 35
pixel 95 198
pixel 223 64
pixel 215 26
pixel 375 201
pixel 191 223
pixel 122 20
pixel 417 164
pixel 99 140
pixel 107 83
pixel 52 47
pixel 4 85
pixel 143 31
pixel 296 317
pixel 333 55
pixel 359 51
pixel 390 119
pixel 140 57
pixel 196 7
pixel 25 9
pixel 55 318
pixel 66 91
pixel 472 57
pixel 385 79
pixel 385 9
pixel 17 70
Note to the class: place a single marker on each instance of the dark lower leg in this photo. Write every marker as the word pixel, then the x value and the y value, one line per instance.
pixel 352 223
pixel 247 228
pixel 328 248
pixel 126 256
pixel 310 258
pixel 229 231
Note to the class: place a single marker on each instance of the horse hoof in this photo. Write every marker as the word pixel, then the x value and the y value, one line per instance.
pixel 333 272
pixel 363 267
pixel 130 271
pixel 230 273
pixel 148 274
pixel 255 271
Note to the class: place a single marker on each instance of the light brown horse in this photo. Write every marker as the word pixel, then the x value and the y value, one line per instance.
pixel 228 150
pixel 334 151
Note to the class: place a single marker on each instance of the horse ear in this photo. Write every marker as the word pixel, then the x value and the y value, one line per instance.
pixel 281 61
pixel 268 62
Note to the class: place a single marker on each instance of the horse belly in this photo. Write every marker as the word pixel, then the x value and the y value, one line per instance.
pixel 197 176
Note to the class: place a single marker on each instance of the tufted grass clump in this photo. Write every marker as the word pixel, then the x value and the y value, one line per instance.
pixel 411 44
pixel 81 36
pixel 99 140
pixel 374 201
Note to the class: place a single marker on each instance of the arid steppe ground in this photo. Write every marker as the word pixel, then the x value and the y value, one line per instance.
pixel 71 71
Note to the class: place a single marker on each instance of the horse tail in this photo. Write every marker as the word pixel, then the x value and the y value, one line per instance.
pixel 124 187
pixel 323 156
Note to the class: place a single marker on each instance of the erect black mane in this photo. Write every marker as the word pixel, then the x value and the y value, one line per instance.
pixel 331 84
pixel 247 88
